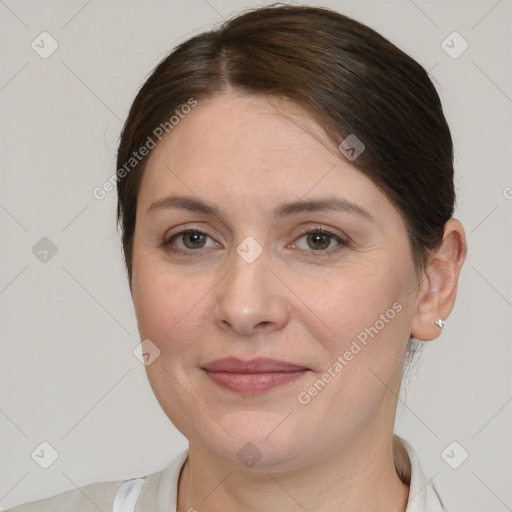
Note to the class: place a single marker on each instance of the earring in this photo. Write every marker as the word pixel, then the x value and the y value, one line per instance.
pixel 440 323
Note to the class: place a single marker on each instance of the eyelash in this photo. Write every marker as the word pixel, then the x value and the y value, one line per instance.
pixel 342 243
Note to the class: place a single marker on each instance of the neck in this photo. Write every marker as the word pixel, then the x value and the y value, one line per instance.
pixel 343 481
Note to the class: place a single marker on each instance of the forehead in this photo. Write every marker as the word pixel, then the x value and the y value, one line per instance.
pixel 242 130
pixel 255 147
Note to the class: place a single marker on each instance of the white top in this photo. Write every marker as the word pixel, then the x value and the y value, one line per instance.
pixel 157 492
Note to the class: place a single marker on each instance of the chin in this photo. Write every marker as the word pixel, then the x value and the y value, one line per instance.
pixel 259 440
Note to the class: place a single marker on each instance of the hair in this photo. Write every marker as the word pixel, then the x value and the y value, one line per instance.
pixel 348 77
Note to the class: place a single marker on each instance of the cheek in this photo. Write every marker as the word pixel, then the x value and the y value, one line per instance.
pixel 167 306
pixel 354 299
pixel 364 308
pixel 365 340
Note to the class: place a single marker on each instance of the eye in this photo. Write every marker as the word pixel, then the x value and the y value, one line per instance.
pixel 321 240
pixel 187 240
pixel 317 240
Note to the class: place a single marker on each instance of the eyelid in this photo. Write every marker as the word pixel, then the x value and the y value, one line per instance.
pixel 188 228
pixel 342 239
pixel 325 230
pixel 165 242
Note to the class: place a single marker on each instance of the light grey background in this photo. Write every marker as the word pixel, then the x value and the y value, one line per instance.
pixel 68 375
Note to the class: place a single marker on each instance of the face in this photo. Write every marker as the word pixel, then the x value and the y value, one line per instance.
pixel 245 280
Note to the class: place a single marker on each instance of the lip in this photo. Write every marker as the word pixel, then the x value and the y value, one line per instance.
pixel 259 365
pixel 254 376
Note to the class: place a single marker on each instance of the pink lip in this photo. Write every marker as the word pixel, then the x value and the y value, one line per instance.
pixel 259 365
pixel 253 376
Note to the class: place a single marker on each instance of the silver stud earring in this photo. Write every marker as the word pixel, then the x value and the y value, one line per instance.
pixel 440 323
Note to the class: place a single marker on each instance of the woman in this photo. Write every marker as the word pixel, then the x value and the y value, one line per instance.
pixel 285 196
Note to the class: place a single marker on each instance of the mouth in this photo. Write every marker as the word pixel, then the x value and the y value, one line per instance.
pixel 252 377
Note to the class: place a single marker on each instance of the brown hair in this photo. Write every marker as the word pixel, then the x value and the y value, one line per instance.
pixel 348 77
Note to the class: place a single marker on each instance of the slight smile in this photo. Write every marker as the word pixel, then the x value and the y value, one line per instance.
pixel 252 377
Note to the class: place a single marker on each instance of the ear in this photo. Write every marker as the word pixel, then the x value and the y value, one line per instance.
pixel 438 291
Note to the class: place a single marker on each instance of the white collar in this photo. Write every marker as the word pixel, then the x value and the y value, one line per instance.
pixel 423 496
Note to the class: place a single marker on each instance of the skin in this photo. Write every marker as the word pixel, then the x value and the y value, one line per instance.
pixel 247 155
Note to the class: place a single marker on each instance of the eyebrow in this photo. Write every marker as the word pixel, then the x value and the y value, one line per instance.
pixel 193 204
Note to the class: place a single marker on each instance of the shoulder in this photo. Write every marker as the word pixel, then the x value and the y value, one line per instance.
pixel 152 492
pixel 91 498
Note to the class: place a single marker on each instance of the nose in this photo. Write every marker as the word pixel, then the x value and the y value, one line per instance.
pixel 251 299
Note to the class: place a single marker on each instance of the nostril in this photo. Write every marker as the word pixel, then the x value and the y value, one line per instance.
pixel 262 325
